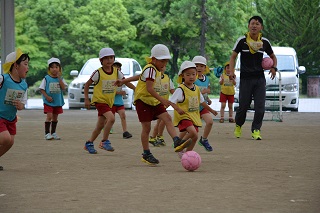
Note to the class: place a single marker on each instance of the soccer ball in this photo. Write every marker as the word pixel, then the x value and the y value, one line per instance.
pixel 267 63
pixel 191 160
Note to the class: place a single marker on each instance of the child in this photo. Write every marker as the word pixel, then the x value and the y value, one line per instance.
pixel 188 98
pixel 13 96
pixel 103 98
pixel 51 88
pixel 227 93
pixel 150 105
pixel 157 135
pixel 118 105
pixel 203 82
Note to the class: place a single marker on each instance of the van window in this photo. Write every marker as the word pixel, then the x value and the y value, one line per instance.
pixel 125 68
pixel 136 66
pixel 286 63
pixel 90 66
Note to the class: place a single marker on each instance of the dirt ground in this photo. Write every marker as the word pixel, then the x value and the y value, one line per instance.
pixel 278 174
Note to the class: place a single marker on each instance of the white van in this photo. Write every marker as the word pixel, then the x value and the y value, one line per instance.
pixel 290 70
pixel 76 88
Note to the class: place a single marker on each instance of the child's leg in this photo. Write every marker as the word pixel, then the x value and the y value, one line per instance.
pixel 146 128
pixel 155 129
pixel 168 123
pixel 161 126
pixel 209 122
pixel 47 123
pixel 223 106
pixel 6 142
pixel 122 115
pixel 109 116
pixel 230 105
pixel 54 123
pixel 193 134
pixel 98 128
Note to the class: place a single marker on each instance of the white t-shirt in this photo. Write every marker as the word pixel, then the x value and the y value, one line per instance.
pixel 95 76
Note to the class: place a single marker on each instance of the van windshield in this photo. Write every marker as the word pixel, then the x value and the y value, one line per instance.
pixel 285 63
pixel 92 65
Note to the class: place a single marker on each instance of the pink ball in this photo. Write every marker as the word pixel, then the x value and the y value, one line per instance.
pixel 191 160
pixel 267 63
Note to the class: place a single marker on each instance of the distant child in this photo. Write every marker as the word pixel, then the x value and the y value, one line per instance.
pixel 13 96
pixel 167 87
pixel 118 105
pixel 51 88
pixel 227 93
pixel 188 98
pixel 150 105
pixel 203 82
pixel 103 96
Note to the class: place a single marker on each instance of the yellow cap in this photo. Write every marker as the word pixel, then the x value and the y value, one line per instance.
pixel 11 59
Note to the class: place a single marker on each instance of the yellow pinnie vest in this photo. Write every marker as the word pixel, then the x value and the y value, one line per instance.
pixel 104 91
pixel 190 105
pixel 165 86
pixel 141 92
pixel 227 87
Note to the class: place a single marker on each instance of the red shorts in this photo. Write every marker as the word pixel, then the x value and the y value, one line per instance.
pixel 147 112
pixel 51 109
pixel 117 108
pixel 9 126
pixel 224 98
pixel 184 124
pixel 102 108
pixel 204 111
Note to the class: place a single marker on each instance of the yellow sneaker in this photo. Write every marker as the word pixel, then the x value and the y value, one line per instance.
pixel 256 135
pixel 237 131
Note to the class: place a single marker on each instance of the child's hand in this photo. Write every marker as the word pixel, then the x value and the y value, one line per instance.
pixel 122 93
pixel 87 103
pixel 18 104
pixel 49 99
pixel 118 83
pixel 215 113
pixel 166 102
pixel 209 101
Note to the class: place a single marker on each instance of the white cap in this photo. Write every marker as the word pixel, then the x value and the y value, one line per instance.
pixel 53 60
pixel 160 51
pixel 199 60
pixel 185 65
pixel 11 57
pixel 106 52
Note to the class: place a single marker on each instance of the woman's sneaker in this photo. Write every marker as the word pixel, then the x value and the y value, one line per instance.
pixel 106 145
pixel 90 147
pixel 149 159
pixel 48 136
pixel 55 136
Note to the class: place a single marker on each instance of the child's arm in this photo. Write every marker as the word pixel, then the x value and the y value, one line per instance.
pixel 49 98
pixel 120 82
pixel 176 96
pixel 130 85
pixel 86 92
pixel 221 80
pixel 206 106
pixel 151 90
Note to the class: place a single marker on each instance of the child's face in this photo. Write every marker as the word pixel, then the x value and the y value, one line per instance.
pixel 160 64
pixel 189 75
pixel 255 26
pixel 23 68
pixel 54 69
pixel 228 70
pixel 200 68
pixel 107 61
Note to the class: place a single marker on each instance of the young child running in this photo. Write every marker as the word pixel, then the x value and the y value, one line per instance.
pixel 103 98
pixel 188 97
pixel 203 82
pixel 150 105
pixel 167 88
pixel 51 88
pixel 118 106
pixel 226 93
pixel 13 96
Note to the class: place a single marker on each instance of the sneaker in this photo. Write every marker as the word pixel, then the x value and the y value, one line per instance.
pixel 256 135
pixel 161 141
pixel 48 136
pixel 205 144
pixel 179 144
pixel 106 145
pixel 237 131
pixel 181 153
pixel 55 136
pixel 154 141
pixel 126 135
pixel 90 147
pixel 149 159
